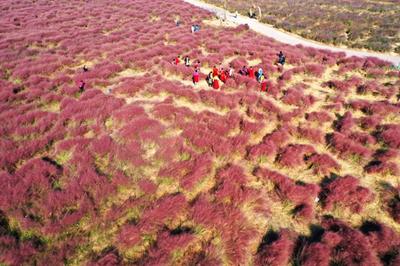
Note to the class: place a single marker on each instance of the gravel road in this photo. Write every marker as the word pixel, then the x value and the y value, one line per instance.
pixel 284 37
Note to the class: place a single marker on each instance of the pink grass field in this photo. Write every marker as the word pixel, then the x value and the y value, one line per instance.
pixel 142 167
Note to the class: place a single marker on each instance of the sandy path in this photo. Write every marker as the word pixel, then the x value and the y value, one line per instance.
pixel 268 30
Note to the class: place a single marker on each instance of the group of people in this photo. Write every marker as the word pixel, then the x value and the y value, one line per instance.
pixel 216 75
pixel 186 61
pixel 258 75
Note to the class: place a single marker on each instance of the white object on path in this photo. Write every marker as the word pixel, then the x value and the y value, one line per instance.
pixel 281 36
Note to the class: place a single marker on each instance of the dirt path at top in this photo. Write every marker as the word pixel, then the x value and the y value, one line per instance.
pixel 268 30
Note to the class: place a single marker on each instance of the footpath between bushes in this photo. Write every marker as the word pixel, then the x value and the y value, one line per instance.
pixel 269 31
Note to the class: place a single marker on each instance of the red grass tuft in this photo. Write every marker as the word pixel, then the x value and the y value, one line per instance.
pixel 276 248
pixel 294 155
pixel 320 117
pixel 287 188
pixel 346 191
pixel 323 164
pixel 347 147
pixel 312 134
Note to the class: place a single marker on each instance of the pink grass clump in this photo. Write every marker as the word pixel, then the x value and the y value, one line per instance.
pixel 388 155
pixel 390 134
pixel 338 242
pixel 315 254
pixel 265 148
pixel 362 138
pixel 288 189
pixel 323 164
pixel 128 112
pixel 370 122
pixel 346 191
pixel 319 117
pixel 229 221
pixel 315 69
pixel 276 248
pixel 347 147
pixel 142 127
pixel 314 135
pixel 382 238
pixel 152 219
pixel 294 155
pixel 345 123
pixel 200 168
pixel 384 168
pixel 167 243
pixel 296 96
pixel 338 85
pixel 231 188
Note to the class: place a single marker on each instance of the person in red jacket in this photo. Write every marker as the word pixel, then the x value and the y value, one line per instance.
pixel 263 85
pixel 251 72
pixel 222 76
pixel 176 61
pixel 215 83
pixel 215 71
pixel 196 76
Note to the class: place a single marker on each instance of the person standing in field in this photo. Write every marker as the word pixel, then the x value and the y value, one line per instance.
pixel 187 61
pixel 263 85
pixel 82 86
pixel 281 58
pixel 261 78
pixel 231 71
pixel 176 60
pixel 209 79
pixel 251 72
pixel 197 65
pixel 215 83
pixel 222 76
pixel 244 71
pixel 260 73
pixel 196 76
pixel 215 71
